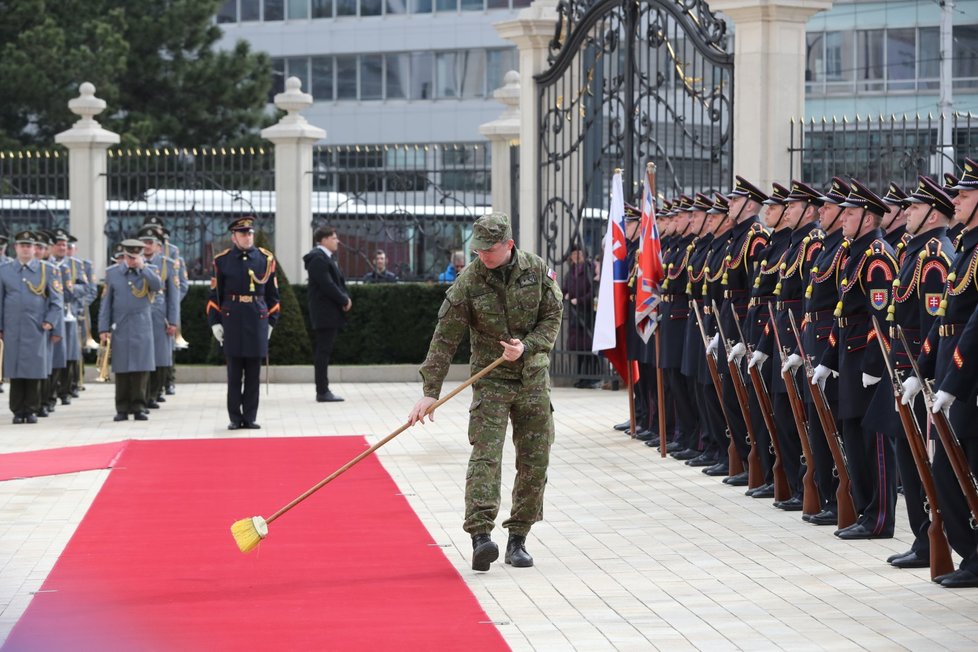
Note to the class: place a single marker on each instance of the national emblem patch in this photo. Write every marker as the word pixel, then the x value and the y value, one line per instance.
pixel 879 299
pixel 932 303
pixel 552 275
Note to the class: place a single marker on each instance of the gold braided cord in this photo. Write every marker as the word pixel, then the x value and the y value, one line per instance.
pixel 954 287
pixel 40 288
pixel 141 292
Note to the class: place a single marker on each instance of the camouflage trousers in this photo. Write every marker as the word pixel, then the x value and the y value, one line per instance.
pixel 494 404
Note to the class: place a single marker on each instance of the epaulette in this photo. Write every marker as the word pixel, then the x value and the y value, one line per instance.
pixel 933 249
pixel 267 253
pixel 216 256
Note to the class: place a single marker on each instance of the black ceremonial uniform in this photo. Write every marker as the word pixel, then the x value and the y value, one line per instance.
pixel 675 315
pixel 244 300
pixel 694 362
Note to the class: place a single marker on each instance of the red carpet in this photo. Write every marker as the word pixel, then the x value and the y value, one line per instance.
pixel 153 565
pixel 53 461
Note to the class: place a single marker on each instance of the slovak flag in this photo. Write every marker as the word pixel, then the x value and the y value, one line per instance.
pixel 650 271
pixel 610 321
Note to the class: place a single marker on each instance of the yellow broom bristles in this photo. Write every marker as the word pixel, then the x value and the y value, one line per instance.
pixel 248 532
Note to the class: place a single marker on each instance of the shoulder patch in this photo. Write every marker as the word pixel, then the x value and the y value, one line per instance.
pixel 551 274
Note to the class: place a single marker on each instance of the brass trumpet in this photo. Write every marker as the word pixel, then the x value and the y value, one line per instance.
pixel 102 361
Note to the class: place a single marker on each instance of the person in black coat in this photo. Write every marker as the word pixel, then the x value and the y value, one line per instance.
pixel 328 304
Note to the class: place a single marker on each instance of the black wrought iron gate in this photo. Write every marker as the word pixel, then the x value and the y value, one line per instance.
pixel 630 81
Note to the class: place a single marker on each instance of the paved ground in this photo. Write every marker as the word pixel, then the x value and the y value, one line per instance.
pixel 635 552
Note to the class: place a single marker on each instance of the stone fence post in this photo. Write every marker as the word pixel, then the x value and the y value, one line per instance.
pixel 293 138
pixel 87 143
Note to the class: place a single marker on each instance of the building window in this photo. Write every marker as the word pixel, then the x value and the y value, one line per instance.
pixel 322 8
pixel 420 6
pixel 497 4
pixel 397 69
pixel 371 7
pixel 472 5
pixel 371 77
pixel 901 55
pixel 346 7
pixel 322 78
pixel 346 78
pixel 278 78
pixel 298 67
pixel 445 79
pixel 397 6
pixel 446 5
pixel 498 63
pixel 274 10
pixel 929 58
pixel 298 9
pixel 814 57
pixel 838 61
pixel 228 13
pixel 422 75
pixel 869 60
pixel 250 10
pixel 965 66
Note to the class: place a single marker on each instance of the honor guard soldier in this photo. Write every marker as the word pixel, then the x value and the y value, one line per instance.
pixel 916 300
pixel 85 292
pixel 242 310
pixel 75 287
pixel 182 280
pixel 56 344
pixel 864 291
pixel 166 311
pixel 894 223
pixel 948 355
pixel 746 240
pixel 125 321
pixel 643 353
pixel 3 259
pixel 955 231
pixel 31 303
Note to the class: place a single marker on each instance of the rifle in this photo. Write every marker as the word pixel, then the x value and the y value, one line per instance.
pixel 955 454
pixel 843 494
pixel 940 552
pixel 812 503
pixel 755 474
pixel 735 466
pixel 782 491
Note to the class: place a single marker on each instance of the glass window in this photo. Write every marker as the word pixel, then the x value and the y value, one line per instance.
pixel 322 78
pixel 472 5
pixel 470 69
pixel 869 59
pixel 422 75
pixel 446 5
pixel 371 7
pixel 420 6
pixel 397 6
pixel 346 7
pixel 397 69
pixel 499 62
pixel 839 61
pixel 517 4
pixel 298 67
pixel 278 78
pixel 445 77
pixel 322 8
pixel 298 9
pixel 965 53
pixel 372 77
pixel 274 10
pixel 815 56
pixel 901 55
pixel 228 13
pixel 928 58
pixel 250 10
pixel 497 4
pixel 346 78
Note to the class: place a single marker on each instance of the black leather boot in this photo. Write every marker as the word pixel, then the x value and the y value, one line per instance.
pixel 516 554
pixel 484 552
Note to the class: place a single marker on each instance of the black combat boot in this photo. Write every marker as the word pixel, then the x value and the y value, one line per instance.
pixel 516 554
pixel 484 552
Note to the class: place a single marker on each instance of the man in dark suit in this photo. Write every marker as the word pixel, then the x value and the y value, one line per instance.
pixel 328 301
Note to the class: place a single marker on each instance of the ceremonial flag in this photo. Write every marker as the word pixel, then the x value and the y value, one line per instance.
pixel 650 272
pixel 610 321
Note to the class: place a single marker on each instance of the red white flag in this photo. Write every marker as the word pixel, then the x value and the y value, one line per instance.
pixel 650 270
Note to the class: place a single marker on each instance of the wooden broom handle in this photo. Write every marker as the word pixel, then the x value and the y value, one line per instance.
pixel 343 469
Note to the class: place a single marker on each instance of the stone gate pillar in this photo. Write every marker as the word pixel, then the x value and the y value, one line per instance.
pixel 87 143
pixel 502 133
pixel 769 81
pixel 293 137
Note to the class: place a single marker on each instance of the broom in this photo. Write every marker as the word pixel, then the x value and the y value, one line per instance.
pixel 248 532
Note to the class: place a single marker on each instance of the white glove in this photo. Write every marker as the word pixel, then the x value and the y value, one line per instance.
pixel 218 331
pixel 911 387
pixel 270 332
pixel 821 375
pixel 869 381
pixel 714 344
pixel 942 401
pixel 757 359
pixel 791 363
pixel 737 351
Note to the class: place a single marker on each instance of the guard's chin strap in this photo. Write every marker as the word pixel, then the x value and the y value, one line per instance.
pixel 862 218
pixel 831 225
pixel 917 230
pixel 741 211
pixel 971 217
pixel 784 209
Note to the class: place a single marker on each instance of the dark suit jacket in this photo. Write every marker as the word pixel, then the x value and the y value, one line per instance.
pixel 327 290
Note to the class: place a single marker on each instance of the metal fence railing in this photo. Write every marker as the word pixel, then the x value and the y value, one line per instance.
pixel 877 150
pixel 33 189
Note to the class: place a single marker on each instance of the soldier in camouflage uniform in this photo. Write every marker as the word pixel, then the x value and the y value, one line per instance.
pixel 510 299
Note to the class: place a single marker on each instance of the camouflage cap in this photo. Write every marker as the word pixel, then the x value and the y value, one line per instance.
pixel 489 230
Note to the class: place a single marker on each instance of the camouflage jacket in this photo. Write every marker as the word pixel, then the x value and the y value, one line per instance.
pixel 527 307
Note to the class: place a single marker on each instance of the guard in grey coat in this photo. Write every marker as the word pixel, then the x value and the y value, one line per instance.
pixel 31 303
pixel 126 319
pixel 166 311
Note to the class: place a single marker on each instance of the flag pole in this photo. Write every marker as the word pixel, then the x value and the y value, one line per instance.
pixel 659 374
